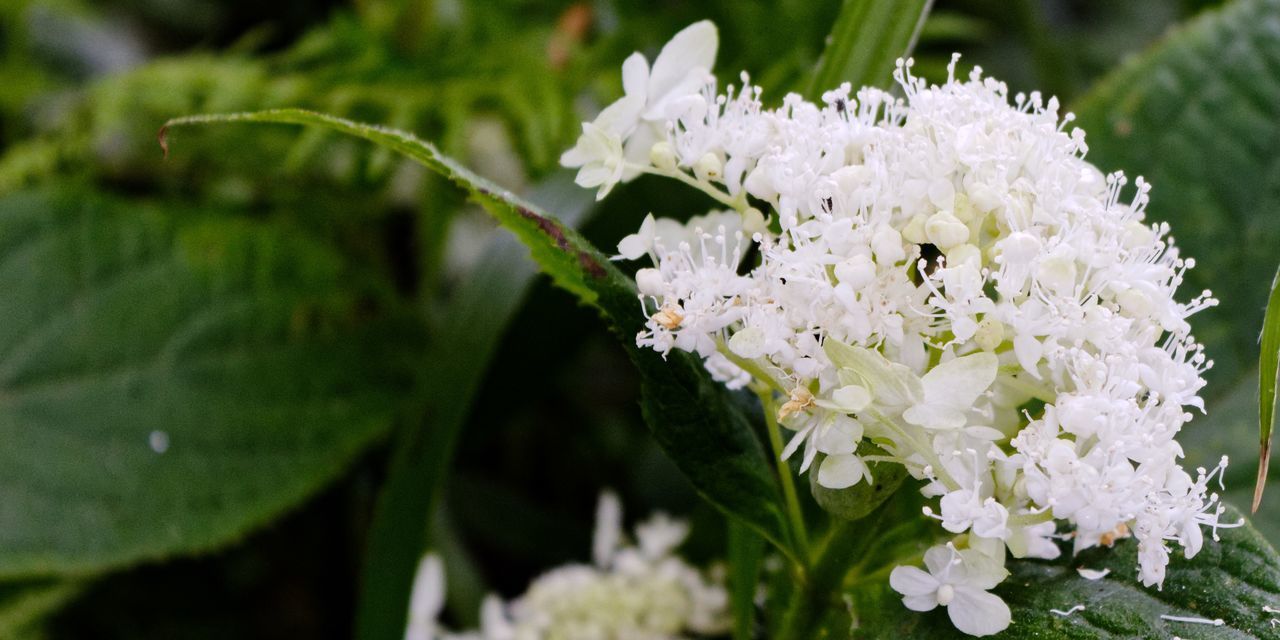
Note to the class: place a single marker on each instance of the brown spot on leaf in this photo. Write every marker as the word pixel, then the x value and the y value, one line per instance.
pixel 552 229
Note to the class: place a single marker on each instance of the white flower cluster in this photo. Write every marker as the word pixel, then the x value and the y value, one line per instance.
pixel 630 592
pixel 942 276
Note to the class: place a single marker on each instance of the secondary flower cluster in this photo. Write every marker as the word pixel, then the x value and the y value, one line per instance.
pixel 630 592
pixel 943 276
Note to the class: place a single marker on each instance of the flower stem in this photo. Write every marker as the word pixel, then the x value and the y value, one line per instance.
pixel 738 204
pixel 784 472
pixel 809 603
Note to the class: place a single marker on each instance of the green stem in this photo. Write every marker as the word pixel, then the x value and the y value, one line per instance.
pixel 848 540
pixel 784 471
pixel 738 204
pixel 751 367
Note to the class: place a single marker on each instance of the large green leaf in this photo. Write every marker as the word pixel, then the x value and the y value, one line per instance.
pixel 692 417
pixel 459 354
pixel 866 39
pixel 168 384
pixel 1199 116
pixel 1231 580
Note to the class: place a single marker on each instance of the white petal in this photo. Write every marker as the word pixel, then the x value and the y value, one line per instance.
pixel 938 559
pixel 935 416
pixel 795 442
pixel 927 602
pixel 983 571
pixel 693 48
pixel 852 397
pixel 592 176
pixel 978 613
pixel 635 75
pixel 608 533
pixel 1028 351
pixel 913 581
pixel 632 247
pixel 1092 574
pixel 841 471
pixel 427 597
pixel 748 342
pixel 621 117
pixel 958 383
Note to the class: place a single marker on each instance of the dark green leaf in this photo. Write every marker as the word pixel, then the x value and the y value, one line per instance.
pixel 692 417
pixel 868 36
pixel 171 383
pixel 1232 580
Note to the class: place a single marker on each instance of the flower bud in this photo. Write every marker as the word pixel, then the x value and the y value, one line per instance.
pixel 990 334
pixel 708 167
pixel 753 221
pixel 1135 303
pixel 1137 235
pixel 663 156
pixel 1058 273
pixel 914 231
pixel 1019 248
pixel 650 282
pixel 857 272
pixel 964 254
pixel 945 231
pixel 886 242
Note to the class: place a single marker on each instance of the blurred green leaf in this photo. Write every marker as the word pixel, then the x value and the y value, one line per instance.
pixel 24 604
pixel 868 36
pixel 170 384
pixel 745 557
pixel 693 418
pixel 1268 369
pixel 1232 579
pixel 458 357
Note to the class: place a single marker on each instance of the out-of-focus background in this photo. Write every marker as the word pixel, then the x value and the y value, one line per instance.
pixel 380 254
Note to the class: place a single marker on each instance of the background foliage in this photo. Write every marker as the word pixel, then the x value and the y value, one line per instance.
pixel 229 376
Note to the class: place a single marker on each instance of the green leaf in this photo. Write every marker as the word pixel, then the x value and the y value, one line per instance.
pixel 868 36
pixel 169 384
pixel 23 605
pixel 861 499
pixel 1199 116
pixel 1232 580
pixel 1269 368
pixel 459 355
pixel 695 420
pixel 745 557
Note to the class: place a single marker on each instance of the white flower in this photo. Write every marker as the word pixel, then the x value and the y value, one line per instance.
pixel 642 592
pixel 959 581
pixel 599 154
pixel 944 275
pixel 426 600
pixel 614 146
